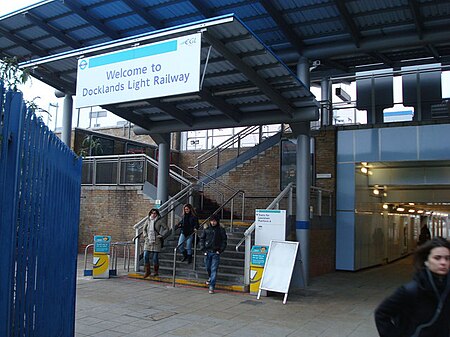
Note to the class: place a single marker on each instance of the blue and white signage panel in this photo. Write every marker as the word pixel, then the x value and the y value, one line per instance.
pixel 160 69
pixel 270 224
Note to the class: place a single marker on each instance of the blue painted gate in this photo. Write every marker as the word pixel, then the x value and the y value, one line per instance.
pixel 39 213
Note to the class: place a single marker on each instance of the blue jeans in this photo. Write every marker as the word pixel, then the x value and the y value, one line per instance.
pixel 212 260
pixel 155 257
pixel 188 244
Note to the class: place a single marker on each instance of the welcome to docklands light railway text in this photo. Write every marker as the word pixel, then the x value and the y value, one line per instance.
pixel 135 79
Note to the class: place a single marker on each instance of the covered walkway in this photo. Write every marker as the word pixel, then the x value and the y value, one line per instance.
pixel 337 304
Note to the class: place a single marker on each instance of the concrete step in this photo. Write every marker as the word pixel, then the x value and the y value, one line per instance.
pixel 197 282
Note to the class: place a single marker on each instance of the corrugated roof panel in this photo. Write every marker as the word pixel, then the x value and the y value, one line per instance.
pixel 32 33
pixel 385 19
pixel 50 43
pixel 246 46
pixel 173 11
pixel 89 3
pixel 361 6
pixel 89 33
pixel 108 10
pixel 218 64
pixel 15 23
pixel 194 105
pixel 18 51
pixel 433 9
pixel 226 79
pixel 66 23
pixel 242 9
pixel 249 99
pixel 126 23
pixel 51 10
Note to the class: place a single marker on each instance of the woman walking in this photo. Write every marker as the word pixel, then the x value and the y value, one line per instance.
pixel 189 225
pixel 420 308
pixel 154 231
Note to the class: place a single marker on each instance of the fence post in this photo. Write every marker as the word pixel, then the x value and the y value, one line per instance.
pixel 9 175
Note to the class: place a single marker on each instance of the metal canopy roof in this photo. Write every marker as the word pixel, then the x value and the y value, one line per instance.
pixel 346 36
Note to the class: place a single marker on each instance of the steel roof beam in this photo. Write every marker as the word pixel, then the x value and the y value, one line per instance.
pixel 415 11
pixel 292 37
pixel 139 10
pixel 433 51
pixel 348 21
pixel 52 31
pixel 172 110
pixel 304 114
pixel 47 76
pixel 383 58
pixel 252 75
pixel 23 43
pixel 200 5
pixel 227 109
pixel 74 6
pixel 129 115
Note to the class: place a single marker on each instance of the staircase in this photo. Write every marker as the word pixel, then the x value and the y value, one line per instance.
pixel 235 162
pixel 231 268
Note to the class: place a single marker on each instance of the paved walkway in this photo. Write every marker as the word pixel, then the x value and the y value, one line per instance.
pixel 337 304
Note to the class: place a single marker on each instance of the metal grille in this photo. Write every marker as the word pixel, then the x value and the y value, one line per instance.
pixel 39 213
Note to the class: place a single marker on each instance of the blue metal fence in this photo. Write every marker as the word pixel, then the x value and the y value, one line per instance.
pixel 40 179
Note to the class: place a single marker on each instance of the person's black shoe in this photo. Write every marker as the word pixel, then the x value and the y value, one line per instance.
pixel 185 256
pixel 189 259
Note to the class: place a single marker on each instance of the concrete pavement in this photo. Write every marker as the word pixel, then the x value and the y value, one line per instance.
pixel 339 304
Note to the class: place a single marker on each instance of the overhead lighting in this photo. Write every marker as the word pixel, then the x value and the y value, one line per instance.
pixel 370 173
pixel 412 210
pixel 427 212
pixel 385 194
pixel 400 209
pixel 385 206
pixel 364 163
pixel 364 170
pixel 376 192
pixel 420 211
pixel 411 203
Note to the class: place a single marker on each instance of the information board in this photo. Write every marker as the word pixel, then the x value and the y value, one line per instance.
pixel 279 267
pixel 159 69
pixel 270 224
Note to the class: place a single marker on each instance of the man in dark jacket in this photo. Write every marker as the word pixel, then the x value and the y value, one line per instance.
pixel 213 242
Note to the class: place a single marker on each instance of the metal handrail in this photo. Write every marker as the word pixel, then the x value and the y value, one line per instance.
pixel 165 209
pixel 288 190
pixel 175 250
pixel 227 187
pixel 126 157
pixel 114 256
pixel 226 144
pixel 203 185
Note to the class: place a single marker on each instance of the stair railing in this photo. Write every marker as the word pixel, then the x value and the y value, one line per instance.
pixel 230 142
pixel 92 164
pixel 194 248
pixel 275 204
pixel 231 189
pixel 201 185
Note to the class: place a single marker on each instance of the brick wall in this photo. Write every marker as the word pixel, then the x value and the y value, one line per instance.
pixel 110 211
